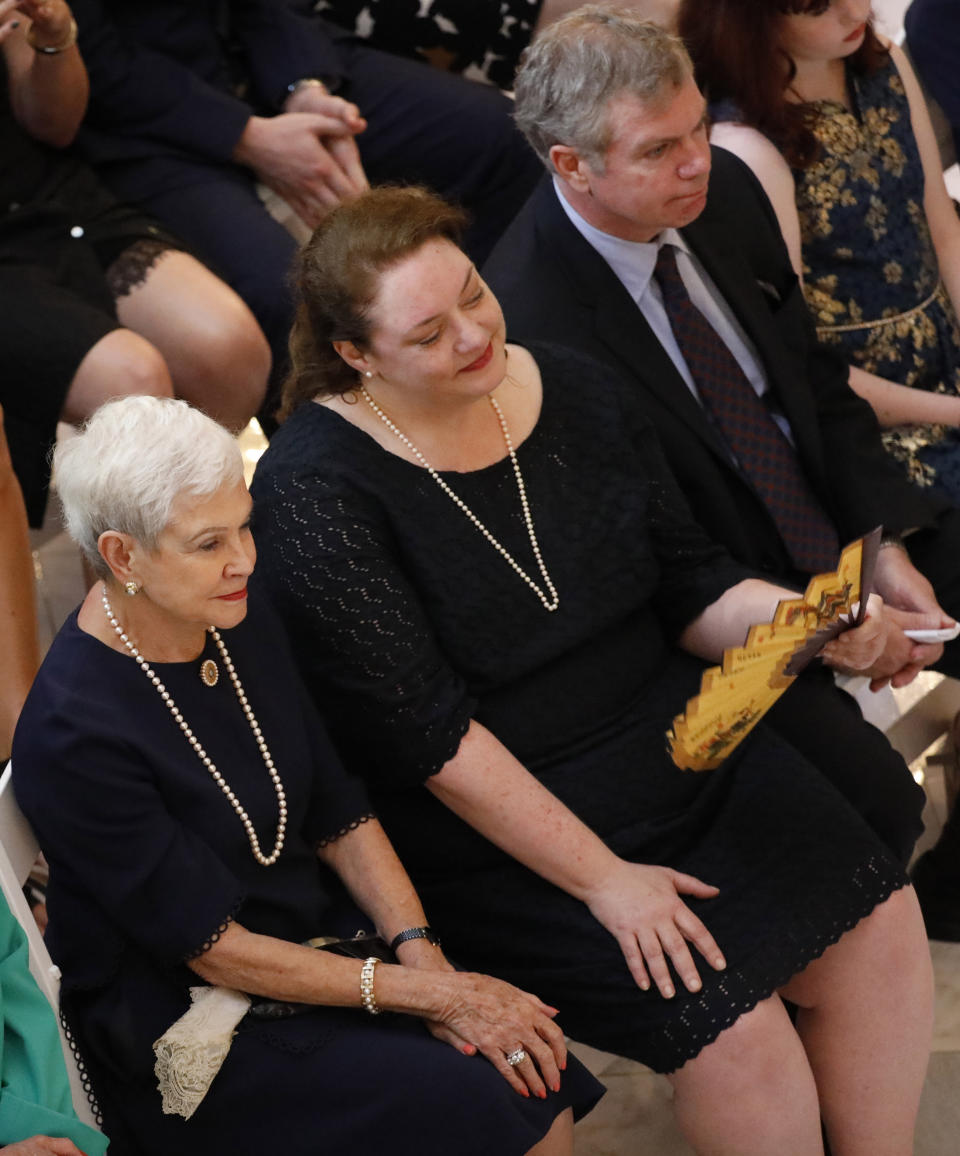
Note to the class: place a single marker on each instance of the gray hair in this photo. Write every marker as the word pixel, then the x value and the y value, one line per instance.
pixel 575 67
pixel 131 461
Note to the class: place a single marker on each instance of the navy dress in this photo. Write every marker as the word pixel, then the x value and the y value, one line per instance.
pixel 870 270
pixel 407 625
pixel 148 862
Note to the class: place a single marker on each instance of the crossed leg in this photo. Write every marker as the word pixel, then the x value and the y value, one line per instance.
pixel 185 334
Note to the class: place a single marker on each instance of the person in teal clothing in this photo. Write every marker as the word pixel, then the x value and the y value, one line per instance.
pixel 36 1112
pixel 830 118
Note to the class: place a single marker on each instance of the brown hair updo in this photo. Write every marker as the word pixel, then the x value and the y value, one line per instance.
pixel 336 276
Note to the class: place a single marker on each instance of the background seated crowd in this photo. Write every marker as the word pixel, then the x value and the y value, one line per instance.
pixel 494 568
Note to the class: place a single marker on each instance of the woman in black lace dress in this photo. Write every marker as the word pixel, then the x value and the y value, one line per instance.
pixel 485 568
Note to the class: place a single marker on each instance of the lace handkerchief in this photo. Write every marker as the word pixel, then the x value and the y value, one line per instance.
pixel 192 1050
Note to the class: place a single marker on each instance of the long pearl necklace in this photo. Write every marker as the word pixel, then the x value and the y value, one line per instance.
pixel 553 601
pixel 263 860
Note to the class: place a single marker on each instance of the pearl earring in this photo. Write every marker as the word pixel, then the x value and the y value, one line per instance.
pixel 132 588
pixel 369 373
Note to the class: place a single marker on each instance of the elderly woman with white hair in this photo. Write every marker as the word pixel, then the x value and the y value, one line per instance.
pixel 184 791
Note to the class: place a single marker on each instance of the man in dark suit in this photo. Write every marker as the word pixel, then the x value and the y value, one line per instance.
pixel 195 101
pixel 610 105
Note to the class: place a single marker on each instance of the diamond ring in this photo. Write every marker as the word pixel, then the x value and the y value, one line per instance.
pixel 516 1057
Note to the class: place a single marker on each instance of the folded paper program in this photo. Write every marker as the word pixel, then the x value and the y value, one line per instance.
pixel 737 694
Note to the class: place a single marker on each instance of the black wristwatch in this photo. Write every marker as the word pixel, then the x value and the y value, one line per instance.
pixel 426 933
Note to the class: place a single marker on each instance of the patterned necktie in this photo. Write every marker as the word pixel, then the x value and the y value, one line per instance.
pixel 762 450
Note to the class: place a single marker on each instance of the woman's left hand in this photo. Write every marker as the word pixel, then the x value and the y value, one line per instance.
pixel 859 650
pixel 483 1014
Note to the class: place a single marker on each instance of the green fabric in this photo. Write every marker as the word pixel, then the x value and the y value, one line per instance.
pixel 34 1090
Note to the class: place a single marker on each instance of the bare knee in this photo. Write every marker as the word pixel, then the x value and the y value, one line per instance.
pixel 120 363
pixel 747 1047
pixel 894 937
pixel 223 365
pixel 886 952
pixel 751 1091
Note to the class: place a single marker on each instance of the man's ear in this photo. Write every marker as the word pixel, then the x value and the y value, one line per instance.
pixel 570 167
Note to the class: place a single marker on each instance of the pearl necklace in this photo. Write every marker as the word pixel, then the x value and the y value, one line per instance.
pixel 553 601
pixel 263 860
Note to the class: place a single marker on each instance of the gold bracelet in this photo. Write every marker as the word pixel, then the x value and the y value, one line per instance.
pixel 52 49
pixel 367 998
pixel 306 82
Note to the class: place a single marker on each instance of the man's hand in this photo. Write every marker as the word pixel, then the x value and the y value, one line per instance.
pixel 910 604
pixel 901 585
pixel 305 158
pixel 311 96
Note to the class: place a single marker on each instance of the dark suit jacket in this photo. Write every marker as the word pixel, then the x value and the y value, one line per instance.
pixel 553 285
pixel 161 77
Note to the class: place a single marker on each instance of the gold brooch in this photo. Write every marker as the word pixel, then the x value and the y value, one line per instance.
pixel 209 674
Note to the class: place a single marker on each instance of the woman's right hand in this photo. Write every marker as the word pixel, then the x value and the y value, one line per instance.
pixel 640 906
pixel 495 1018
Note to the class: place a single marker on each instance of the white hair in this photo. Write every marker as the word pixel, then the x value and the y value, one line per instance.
pixel 129 464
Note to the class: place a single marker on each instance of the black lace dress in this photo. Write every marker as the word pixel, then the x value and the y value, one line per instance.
pixel 407 624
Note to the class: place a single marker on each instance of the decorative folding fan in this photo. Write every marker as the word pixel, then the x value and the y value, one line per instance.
pixel 737 694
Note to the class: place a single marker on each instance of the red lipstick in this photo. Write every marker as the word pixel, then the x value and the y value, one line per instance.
pixel 483 360
pixel 237 596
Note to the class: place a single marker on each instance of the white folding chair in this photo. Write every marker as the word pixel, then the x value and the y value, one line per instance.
pixel 18 853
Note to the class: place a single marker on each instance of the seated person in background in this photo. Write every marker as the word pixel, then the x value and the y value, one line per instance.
pixel 18 619
pixel 36 1111
pixel 97 301
pixel 610 104
pixel 184 851
pixel 933 38
pixel 490 578
pixel 831 120
pixel 482 39
pixel 167 131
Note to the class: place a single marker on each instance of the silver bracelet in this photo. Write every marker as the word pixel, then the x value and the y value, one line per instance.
pixel 52 49
pixel 367 997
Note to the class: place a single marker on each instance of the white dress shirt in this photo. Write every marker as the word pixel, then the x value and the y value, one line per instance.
pixel 633 262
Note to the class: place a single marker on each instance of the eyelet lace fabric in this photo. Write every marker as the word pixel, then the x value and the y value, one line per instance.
pixel 408 625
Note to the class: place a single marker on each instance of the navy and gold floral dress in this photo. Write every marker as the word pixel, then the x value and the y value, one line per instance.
pixel 869 266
